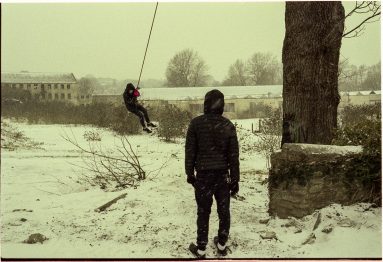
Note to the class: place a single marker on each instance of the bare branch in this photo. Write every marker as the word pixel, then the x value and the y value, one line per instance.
pixel 353 10
pixel 365 7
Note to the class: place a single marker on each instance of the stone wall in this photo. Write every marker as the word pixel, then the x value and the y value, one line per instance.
pixel 306 177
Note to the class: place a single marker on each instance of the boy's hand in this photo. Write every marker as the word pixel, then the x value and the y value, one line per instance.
pixel 191 180
pixel 234 188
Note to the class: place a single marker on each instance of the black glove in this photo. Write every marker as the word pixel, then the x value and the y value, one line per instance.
pixel 234 188
pixel 191 179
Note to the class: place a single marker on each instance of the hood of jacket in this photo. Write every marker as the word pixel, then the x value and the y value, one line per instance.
pixel 214 102
pixel 129 87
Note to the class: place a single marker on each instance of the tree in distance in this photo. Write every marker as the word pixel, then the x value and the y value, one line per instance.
pixel 186 69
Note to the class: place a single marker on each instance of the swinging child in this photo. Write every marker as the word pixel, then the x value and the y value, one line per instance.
pixel 130 98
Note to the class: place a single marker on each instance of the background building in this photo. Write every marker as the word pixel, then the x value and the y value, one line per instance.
pixel 46 86
pixel 240 101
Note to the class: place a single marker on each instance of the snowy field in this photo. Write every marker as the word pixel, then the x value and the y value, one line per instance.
pixel 40 194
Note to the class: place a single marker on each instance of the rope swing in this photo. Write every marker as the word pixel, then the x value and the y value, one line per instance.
pixel 147 44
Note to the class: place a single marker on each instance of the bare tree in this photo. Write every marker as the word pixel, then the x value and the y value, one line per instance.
pixel 185 69
pixel 310 59
pixel 262 69
pixel 343 69
pixel 237 75
pixel 199 76
pixel 354 78
pixel 87 85
pixel 373 78
pixel 368 11
pixel 346 75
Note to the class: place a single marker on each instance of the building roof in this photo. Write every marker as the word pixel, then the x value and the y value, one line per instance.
pixel 196 93
pixel 230 92
pixel 193 93
pixel 27 77
pixel 360 93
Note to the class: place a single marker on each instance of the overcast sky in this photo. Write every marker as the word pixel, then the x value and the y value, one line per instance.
pixel 109 39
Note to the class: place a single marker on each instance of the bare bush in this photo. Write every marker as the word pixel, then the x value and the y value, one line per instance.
pixel 92 136
pixel 12 138
pixel 123 122
pixel 269 135
pixel 110 169
pixel 116 118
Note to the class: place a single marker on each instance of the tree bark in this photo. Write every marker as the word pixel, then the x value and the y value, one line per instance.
pixel 310 59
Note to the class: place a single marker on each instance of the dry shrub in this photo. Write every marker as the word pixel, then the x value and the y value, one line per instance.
pixel 173 122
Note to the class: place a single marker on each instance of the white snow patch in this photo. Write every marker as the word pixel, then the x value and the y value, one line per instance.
pixel 323 149
pixel 158 219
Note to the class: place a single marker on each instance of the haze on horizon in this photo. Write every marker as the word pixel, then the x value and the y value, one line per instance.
pixel 109 39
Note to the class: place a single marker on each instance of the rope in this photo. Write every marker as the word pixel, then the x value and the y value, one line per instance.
pixel 147 44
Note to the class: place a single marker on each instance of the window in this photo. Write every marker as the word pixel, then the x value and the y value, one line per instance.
pixel 42 86
pixel 56 96
pixel 29 85
pixel 21 86
pixel 69 96
pixel 196 108
pixel 229 107
pixel 49 86
pixel 43 96
pixel 87 96
pixel 82 97
pixel 68 86
pixel 375 102
pixel 56 86
pixel 49 96
pixel 35 85
pixel 62 86
pixel 13 85
pixel 62 96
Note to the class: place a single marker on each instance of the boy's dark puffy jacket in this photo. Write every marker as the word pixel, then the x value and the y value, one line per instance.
pixel 130 94
pixel 211 140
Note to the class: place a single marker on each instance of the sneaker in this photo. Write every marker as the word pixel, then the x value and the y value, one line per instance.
pixel 198 253
pixel 222 250
pixel 152 125
pixel 147 130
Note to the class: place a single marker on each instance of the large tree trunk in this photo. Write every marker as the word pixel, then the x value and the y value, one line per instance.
pixel 310 59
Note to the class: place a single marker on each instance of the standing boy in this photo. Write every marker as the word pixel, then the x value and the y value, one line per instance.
pixel 212 151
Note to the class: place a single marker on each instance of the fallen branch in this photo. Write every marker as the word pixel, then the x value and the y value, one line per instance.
pixel 111 202
pixel 317 222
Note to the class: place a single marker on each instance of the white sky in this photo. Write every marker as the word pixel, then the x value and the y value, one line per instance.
pixel 109 39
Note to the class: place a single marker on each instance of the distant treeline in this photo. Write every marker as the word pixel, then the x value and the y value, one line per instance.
pixel 188 69
pixel 357 78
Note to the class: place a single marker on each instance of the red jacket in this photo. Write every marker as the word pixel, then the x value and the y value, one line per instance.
pixel 136 93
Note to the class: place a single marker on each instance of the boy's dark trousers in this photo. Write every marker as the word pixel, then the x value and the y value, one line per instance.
pixel 209 184
pixel 139 111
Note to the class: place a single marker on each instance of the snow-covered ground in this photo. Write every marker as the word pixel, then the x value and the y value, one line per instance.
pixel 40 194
